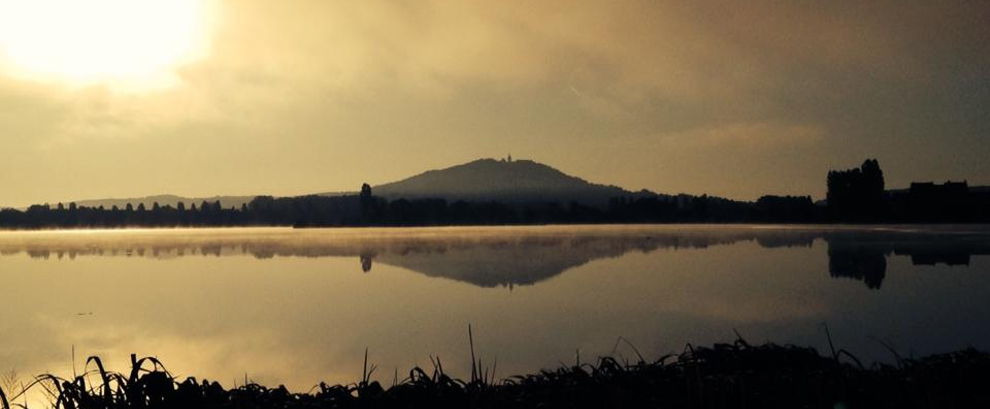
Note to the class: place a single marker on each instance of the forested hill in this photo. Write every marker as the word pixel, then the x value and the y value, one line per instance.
pixel 507 181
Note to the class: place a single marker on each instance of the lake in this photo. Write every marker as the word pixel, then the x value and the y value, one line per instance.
pixel 294 307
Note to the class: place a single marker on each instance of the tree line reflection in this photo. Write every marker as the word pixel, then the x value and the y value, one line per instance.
pixel 524 257
pixel 864 258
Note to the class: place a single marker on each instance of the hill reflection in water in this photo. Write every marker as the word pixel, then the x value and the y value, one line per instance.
pixel 294 307
pixel 512 256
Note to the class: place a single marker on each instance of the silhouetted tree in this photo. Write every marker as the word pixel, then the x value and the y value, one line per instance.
pixel 856 195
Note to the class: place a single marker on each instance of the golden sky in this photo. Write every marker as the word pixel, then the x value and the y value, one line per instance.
pixel 114 98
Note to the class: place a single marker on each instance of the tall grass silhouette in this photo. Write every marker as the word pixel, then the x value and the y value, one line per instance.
pixel 732 375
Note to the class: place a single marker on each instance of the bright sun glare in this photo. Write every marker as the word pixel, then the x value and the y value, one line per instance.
pixel 125 43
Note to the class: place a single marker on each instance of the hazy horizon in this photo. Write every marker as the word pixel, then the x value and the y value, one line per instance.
pixel 111 99
pixel 354 190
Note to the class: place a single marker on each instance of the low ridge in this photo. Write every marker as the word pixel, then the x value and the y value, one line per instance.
pixel 504 180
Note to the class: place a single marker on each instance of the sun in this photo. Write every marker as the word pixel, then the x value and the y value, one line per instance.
pixel 127 43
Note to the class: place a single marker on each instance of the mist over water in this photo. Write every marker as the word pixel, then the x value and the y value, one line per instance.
pixel 300 306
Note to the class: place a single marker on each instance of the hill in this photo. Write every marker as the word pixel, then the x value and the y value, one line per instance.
pixel 510 181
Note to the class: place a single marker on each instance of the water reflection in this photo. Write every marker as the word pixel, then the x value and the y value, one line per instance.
pixel 864 256
pixel 509 257
pixel 300 306
pixel 863 263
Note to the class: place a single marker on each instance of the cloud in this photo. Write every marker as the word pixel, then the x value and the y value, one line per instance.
pixel 764 135
pixel 293 90
pixel 740 160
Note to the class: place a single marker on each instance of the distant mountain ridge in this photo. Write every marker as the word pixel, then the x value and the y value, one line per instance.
pixel 502 180
pixel 166 200
pixel 506 180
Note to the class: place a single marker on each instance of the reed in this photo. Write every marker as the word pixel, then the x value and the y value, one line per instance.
pixel 3 400
pixel 728 375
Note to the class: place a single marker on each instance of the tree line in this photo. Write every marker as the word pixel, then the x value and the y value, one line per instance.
pixel 858 195
pixel 854 196
pixel 73 216
pixel 366 209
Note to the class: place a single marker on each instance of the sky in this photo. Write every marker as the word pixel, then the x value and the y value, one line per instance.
pixel 114 98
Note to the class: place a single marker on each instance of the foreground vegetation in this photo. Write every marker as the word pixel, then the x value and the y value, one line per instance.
pixel 723 376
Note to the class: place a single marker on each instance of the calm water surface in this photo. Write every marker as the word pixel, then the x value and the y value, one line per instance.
pixel 300 306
